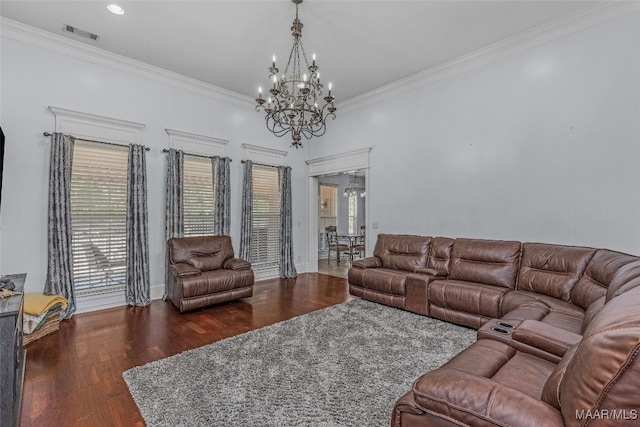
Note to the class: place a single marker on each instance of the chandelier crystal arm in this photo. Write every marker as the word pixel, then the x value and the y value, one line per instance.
pixel 296 96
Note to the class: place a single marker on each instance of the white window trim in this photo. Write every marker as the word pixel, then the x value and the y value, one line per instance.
pixel 267 156
pixel 192 143
pixel 93 127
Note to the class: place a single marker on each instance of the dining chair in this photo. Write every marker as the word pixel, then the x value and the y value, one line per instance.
pixel 335 244
pixel 359 247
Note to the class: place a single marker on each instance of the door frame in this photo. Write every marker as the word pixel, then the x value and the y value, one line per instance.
pixel 352 160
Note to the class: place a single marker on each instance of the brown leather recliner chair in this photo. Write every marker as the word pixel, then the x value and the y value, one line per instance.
pixel 203 271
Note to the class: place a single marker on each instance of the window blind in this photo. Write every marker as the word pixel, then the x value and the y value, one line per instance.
pixel 98 216
pixel 198 198
pixel 353 213
pixel 265 251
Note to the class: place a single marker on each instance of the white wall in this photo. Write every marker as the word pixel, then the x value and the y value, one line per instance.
pixel 539 146
pixel 32 79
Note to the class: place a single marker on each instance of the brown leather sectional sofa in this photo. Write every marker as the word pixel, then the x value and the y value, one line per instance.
pixel 558 330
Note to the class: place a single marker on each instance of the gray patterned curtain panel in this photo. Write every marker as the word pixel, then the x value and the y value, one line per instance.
pixel 175 206
pixel 59 258
pixel 222 191
pixel 287 265
pixel 246 224
pixel 137 291
pixel 174 212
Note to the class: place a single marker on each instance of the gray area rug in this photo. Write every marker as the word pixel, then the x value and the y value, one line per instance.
pixel 345 365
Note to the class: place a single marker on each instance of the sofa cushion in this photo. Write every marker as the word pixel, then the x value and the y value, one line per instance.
pixel 203 252
pixel 552 270
pixel 600 271
pixel 489 383
pixel 211 282
pixel 626 278
pixel 440 255
pixel 402 252
pixel 492 262
pixel 467 297
pixel 522 305
pixel 384 280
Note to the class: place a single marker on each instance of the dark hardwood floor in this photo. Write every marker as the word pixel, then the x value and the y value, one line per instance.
pixel 74 376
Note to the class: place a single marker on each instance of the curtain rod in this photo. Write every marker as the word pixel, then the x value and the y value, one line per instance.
pixel 199 155
pixel 263 164
pixel 93 140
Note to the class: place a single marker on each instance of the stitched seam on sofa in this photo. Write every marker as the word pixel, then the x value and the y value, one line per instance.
pixel 457 408
pixel 597 282
pixel 476 261
pixel 564 273
pixel 615 379
pixel 456 311
pixel 452 420
pixel 492 396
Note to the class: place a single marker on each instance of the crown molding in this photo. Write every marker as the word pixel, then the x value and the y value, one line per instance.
pixel 352 160
pixel 588 17
pixel 26 34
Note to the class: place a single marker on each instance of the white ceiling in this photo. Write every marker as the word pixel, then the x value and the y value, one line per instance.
pixel 360 45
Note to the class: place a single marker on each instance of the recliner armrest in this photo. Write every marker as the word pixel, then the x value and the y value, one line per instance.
pixel 545 337
pixel 370 262
pixel 430 271
pixel 236 264
pixel 183 269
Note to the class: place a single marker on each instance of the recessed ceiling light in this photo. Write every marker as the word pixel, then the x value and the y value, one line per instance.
pixel 114 8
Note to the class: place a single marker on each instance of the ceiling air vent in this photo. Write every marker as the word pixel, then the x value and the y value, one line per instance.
pixel 80 32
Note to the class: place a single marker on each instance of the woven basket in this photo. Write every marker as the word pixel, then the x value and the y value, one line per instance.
pixel 52 324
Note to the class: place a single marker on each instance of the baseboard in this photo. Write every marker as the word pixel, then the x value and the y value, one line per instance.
pixel 105 300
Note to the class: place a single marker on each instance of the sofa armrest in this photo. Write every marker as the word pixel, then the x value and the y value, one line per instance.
pixel 473 400
pixel 545 337
pixel 430 272
pixel 236 264
pixel 182 269
pixel 370 262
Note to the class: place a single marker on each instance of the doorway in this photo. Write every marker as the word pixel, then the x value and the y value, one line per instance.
pixel 329 177
pixel 341 221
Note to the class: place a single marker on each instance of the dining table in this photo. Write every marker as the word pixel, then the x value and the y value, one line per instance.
pixel 353 239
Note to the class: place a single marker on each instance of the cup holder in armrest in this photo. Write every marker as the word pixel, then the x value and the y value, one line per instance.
pixel 506 325
pixel 500 331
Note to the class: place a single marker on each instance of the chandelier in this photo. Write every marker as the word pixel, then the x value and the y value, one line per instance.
pixel 354 188
pixel 296 104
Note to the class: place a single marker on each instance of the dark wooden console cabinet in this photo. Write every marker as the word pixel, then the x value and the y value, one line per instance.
pixel 12 355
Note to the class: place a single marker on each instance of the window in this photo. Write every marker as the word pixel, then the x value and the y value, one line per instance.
pixel 98 216
pixel 265 250
pixel 198 196
pixel 353 213
pixel 328 206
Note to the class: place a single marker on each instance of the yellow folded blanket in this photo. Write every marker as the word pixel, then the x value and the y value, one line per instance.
pixel 38 304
